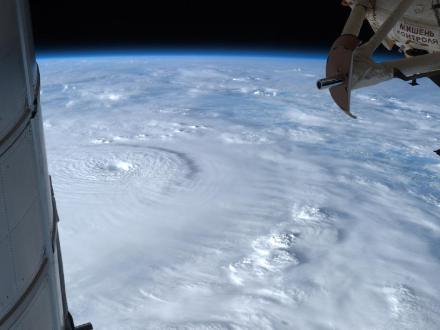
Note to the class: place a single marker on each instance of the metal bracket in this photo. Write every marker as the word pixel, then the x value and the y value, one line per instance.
pixel 86 326
pixel 401 76
pixel 70 325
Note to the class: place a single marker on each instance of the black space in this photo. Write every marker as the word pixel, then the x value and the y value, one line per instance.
pixel 272 24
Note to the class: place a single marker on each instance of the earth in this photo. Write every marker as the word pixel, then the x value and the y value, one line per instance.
pixel 216 191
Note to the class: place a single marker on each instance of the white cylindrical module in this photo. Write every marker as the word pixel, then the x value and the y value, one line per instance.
pixel 32 294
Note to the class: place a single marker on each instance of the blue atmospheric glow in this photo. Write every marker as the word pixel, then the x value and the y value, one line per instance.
pixel 194 53
pixel 319 55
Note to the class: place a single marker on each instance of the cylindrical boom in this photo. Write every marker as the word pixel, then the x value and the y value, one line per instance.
pixel 32 294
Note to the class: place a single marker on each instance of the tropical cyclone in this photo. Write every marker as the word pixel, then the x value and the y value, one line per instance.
pixel 118 168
